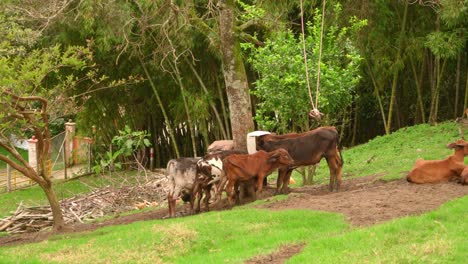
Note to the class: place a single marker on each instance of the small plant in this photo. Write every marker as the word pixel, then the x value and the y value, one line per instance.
pixel 129 144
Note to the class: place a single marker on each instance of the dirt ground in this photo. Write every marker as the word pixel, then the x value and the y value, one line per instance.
pixel 363 201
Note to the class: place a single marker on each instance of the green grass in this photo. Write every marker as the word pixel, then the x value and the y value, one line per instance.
pixel 436 237
pixel 239 234
pixel 22 152
pixel 216 237
pixel 394 155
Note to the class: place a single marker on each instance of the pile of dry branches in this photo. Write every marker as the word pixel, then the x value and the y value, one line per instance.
pixel 82 208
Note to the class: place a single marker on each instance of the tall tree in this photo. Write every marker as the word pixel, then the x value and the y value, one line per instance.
pixel 235 77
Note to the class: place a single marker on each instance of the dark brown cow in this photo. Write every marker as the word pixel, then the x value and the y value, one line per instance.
pixel 306 148
pixel 243 167
pixel 433 171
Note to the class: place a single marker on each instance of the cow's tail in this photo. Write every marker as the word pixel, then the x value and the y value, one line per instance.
pixel 338 147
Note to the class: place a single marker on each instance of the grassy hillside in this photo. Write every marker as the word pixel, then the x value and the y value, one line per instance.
pixel 236 235
pixel 394 155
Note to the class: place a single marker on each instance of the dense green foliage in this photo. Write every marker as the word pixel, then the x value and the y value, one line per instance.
pixel 407 66
pixel 282 88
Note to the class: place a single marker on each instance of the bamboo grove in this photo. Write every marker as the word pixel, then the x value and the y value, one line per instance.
pixel 157 65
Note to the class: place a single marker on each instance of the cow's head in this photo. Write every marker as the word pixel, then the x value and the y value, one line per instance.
pixel 204 168
pixel 458 145
pixel 280 156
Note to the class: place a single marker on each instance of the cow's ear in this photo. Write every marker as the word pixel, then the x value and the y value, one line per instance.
pixel 455 145
pixel 452 145
pixel 273 158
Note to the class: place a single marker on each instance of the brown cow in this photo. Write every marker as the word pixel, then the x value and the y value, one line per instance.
pixel 243 167
pixel 433 171
pixel 464 176
pixel 306 148
pixel 209 170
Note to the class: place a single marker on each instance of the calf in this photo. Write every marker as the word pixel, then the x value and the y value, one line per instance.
pixel 433 171
pixel 181 173
pixel 209 170
pixel 243 167
pixel 306 148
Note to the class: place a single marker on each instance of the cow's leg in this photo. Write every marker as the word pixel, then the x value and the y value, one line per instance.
pixel 279 181
pixel 260 178
pixel 237 192
pixel 230 193
pixel 286 177
pixel 335 165
pixel 196 194
pixel 199 198
pixel 220 186
pixel 171 204
pixel 207 197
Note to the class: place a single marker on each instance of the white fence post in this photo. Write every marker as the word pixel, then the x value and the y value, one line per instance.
pixel 32 152
pixel 70 129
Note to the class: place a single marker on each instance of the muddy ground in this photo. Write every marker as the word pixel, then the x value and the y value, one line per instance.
pixel 363 201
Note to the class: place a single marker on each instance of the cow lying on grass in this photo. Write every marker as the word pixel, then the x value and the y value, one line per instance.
pixel 464 176
pixel 433 171
pixel 244 167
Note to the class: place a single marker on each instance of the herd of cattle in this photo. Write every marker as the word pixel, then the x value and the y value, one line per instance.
pixel 225 169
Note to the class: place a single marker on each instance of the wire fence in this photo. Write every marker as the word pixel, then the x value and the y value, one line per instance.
pixel 11 179
pixel 57 166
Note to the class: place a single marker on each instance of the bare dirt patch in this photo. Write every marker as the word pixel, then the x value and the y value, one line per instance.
pixel 279 256
pixel 364 201
pixel 367 201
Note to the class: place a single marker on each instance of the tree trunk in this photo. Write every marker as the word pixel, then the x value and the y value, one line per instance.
pixel 465 102
pixel 187 110
pixel 438 72
pixel 457 86
pixel 223 108
pixel 59 223
pixel 163 110
pixel 377 94
pixel 418 81
pixel 210 102
pixel 396 71
pixel 235 76
pixel 355 124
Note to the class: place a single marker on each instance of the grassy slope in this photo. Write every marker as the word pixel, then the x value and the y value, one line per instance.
pixel 236 235
pixel 394 155
pixel 24 154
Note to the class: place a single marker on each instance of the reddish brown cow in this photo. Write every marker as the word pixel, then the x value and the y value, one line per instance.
pixel 464 176
pixel 209 170
pixel 243 167
pixel 433 171
pixel 306 148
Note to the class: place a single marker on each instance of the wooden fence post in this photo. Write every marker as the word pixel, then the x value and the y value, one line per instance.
pixel 64 157
pixel 8 171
